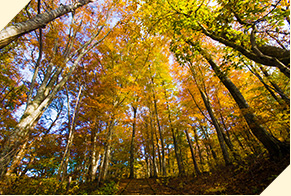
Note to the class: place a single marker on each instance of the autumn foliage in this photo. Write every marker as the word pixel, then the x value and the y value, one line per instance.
pixel 159 89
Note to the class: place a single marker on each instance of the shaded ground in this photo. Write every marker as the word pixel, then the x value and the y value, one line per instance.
pixel 248 178
pixel 137 187
pixel 145 187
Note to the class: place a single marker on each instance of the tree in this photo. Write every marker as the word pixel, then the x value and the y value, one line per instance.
pixel 131 175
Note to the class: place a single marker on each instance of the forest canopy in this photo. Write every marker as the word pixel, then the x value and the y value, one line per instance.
pixel 94 90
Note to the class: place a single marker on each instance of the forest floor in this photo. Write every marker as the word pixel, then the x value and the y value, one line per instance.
pixel 252 178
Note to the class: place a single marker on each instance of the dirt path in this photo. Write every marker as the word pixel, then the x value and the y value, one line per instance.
pixel 136 187
pixel 144 187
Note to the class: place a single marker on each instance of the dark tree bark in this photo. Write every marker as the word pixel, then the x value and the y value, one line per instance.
pixel 205 133
pixel 154 174
pixel 192 153
pixel 177 153
pixel 163 166
pixel 217 128
pixel 131 175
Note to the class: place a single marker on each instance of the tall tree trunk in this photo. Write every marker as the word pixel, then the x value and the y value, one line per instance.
pixel 275 148
pixel 23 150
pixel 177 153
pixel 148 149
pixel 198 146
pixel 94 155
pixel 153 148
pixel 163 167
pixel 239 143
pixel 131 162
pixel 213 120
pixel 65 159
pixel 12 32
pixel 217 128
pixel 192 153
pixel 159 167
pixel 106 156
pixel 208 142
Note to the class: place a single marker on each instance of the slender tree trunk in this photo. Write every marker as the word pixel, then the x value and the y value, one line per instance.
pixel 217 128
pixel 153 148
pixel 239 143
pixel 208 157
pixel 131 163
pixel 178 155
pixel 227 140
pixel 198 146
pixel 265 85
pixel 168 160
pixel 209 142
pixel 148 149
pixel 159 167
pixel 18 158
pixel 163 167
pixel 276 87
pixel 192 153
pixel 106 156
pixel 94 155
pixel 66 155
pixel 23 150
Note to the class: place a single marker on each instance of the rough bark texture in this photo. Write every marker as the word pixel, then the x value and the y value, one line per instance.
pixel 11 33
